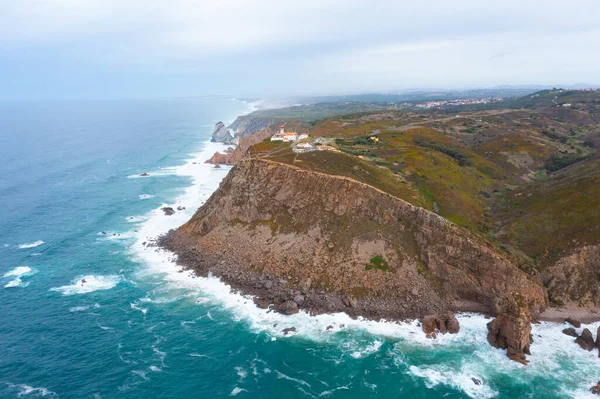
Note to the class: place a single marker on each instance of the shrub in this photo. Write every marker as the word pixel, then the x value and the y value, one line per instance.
pixel 377 262
pixel 444 149
pixel 557 162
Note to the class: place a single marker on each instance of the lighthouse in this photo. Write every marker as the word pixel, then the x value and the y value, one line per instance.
pixel 281 131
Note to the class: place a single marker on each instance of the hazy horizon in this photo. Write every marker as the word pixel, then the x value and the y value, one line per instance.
pixel 108 49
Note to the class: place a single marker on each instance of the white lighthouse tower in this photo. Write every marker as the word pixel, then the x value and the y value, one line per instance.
pixel 281 130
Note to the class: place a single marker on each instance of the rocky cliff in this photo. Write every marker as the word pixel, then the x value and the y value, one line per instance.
pixel 233 156
pixel 325 242
pixel 247 124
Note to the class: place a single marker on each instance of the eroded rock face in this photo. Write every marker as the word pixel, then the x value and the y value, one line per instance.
pixel 233 156
pixel 221 134
pixel 574 278
pixel 511 329
pixel 316 232
pixel 442 324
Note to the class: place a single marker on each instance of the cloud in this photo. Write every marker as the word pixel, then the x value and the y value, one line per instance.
pixel 314 45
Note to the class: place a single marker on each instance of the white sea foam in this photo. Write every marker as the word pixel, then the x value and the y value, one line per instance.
pixel 92 283
pixel 31 245
pixel 145 196
pixel 18 271
pixel 75 309
pixel 26 390
pixel 18 274
pixel 236 391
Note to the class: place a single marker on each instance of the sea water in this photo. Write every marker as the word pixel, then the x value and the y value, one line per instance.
pixel 74 207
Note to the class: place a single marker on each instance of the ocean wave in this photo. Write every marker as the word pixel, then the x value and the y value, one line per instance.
pixel 169 171
pixel 92 283
pixel 237 391
pixel 19 273
pixel 26 390
pixel 31 245
pixel 145 196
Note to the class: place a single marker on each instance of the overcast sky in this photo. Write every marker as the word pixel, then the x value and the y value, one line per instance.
pixel 147 48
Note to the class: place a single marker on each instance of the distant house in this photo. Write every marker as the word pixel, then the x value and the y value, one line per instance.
pixel 304 147
pixel 290 136
pixel 302 136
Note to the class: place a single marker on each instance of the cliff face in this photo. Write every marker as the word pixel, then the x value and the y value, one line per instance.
pixel 248 124
pixel 234 156
pixel 576 278
pixel 334 243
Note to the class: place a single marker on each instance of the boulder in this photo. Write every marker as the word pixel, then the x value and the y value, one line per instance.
pixel 168 210
pixel 511 329
pixel 288 330
pixel 261 303
pixel 596 389
pixel 288 307
pixel 574 322
pixel 443 323
pixel 476 381
pixel 305 285
pixel 598 340
pixel 571 332
pixel 586 340
pixel 268 284
pixel 299 299
pixel 180 208
pixel 144 174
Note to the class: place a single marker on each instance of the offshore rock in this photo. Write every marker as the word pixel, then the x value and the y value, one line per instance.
pixel 511 329
pixel 221 134
pixel 168 210
pixel 570 332
pixel 586 340
pixel 444 323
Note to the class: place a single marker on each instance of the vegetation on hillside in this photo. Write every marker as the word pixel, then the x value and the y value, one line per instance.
pixel 522 173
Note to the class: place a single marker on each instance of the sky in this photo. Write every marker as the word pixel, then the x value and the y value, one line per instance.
pixel 150 48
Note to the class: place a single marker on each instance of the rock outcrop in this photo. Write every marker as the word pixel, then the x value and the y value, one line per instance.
pixel 596 389
pixel 586 340
pixel 314 233
pixel 221 134
pixel 440 324
pixel 574 278
pixel 233 156
pixel 511 329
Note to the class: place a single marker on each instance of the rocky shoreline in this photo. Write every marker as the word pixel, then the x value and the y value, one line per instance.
pixel 277 294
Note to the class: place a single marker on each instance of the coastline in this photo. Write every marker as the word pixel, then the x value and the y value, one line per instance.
pixel 549 348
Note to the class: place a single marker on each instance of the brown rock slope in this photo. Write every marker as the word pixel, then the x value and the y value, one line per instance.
pixel 334 243
pixel 234 156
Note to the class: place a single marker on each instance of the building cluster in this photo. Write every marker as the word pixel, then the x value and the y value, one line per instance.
pixel 465 101
pixel 282 135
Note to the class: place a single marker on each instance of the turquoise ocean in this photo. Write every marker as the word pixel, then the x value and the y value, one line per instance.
pixel 74 207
